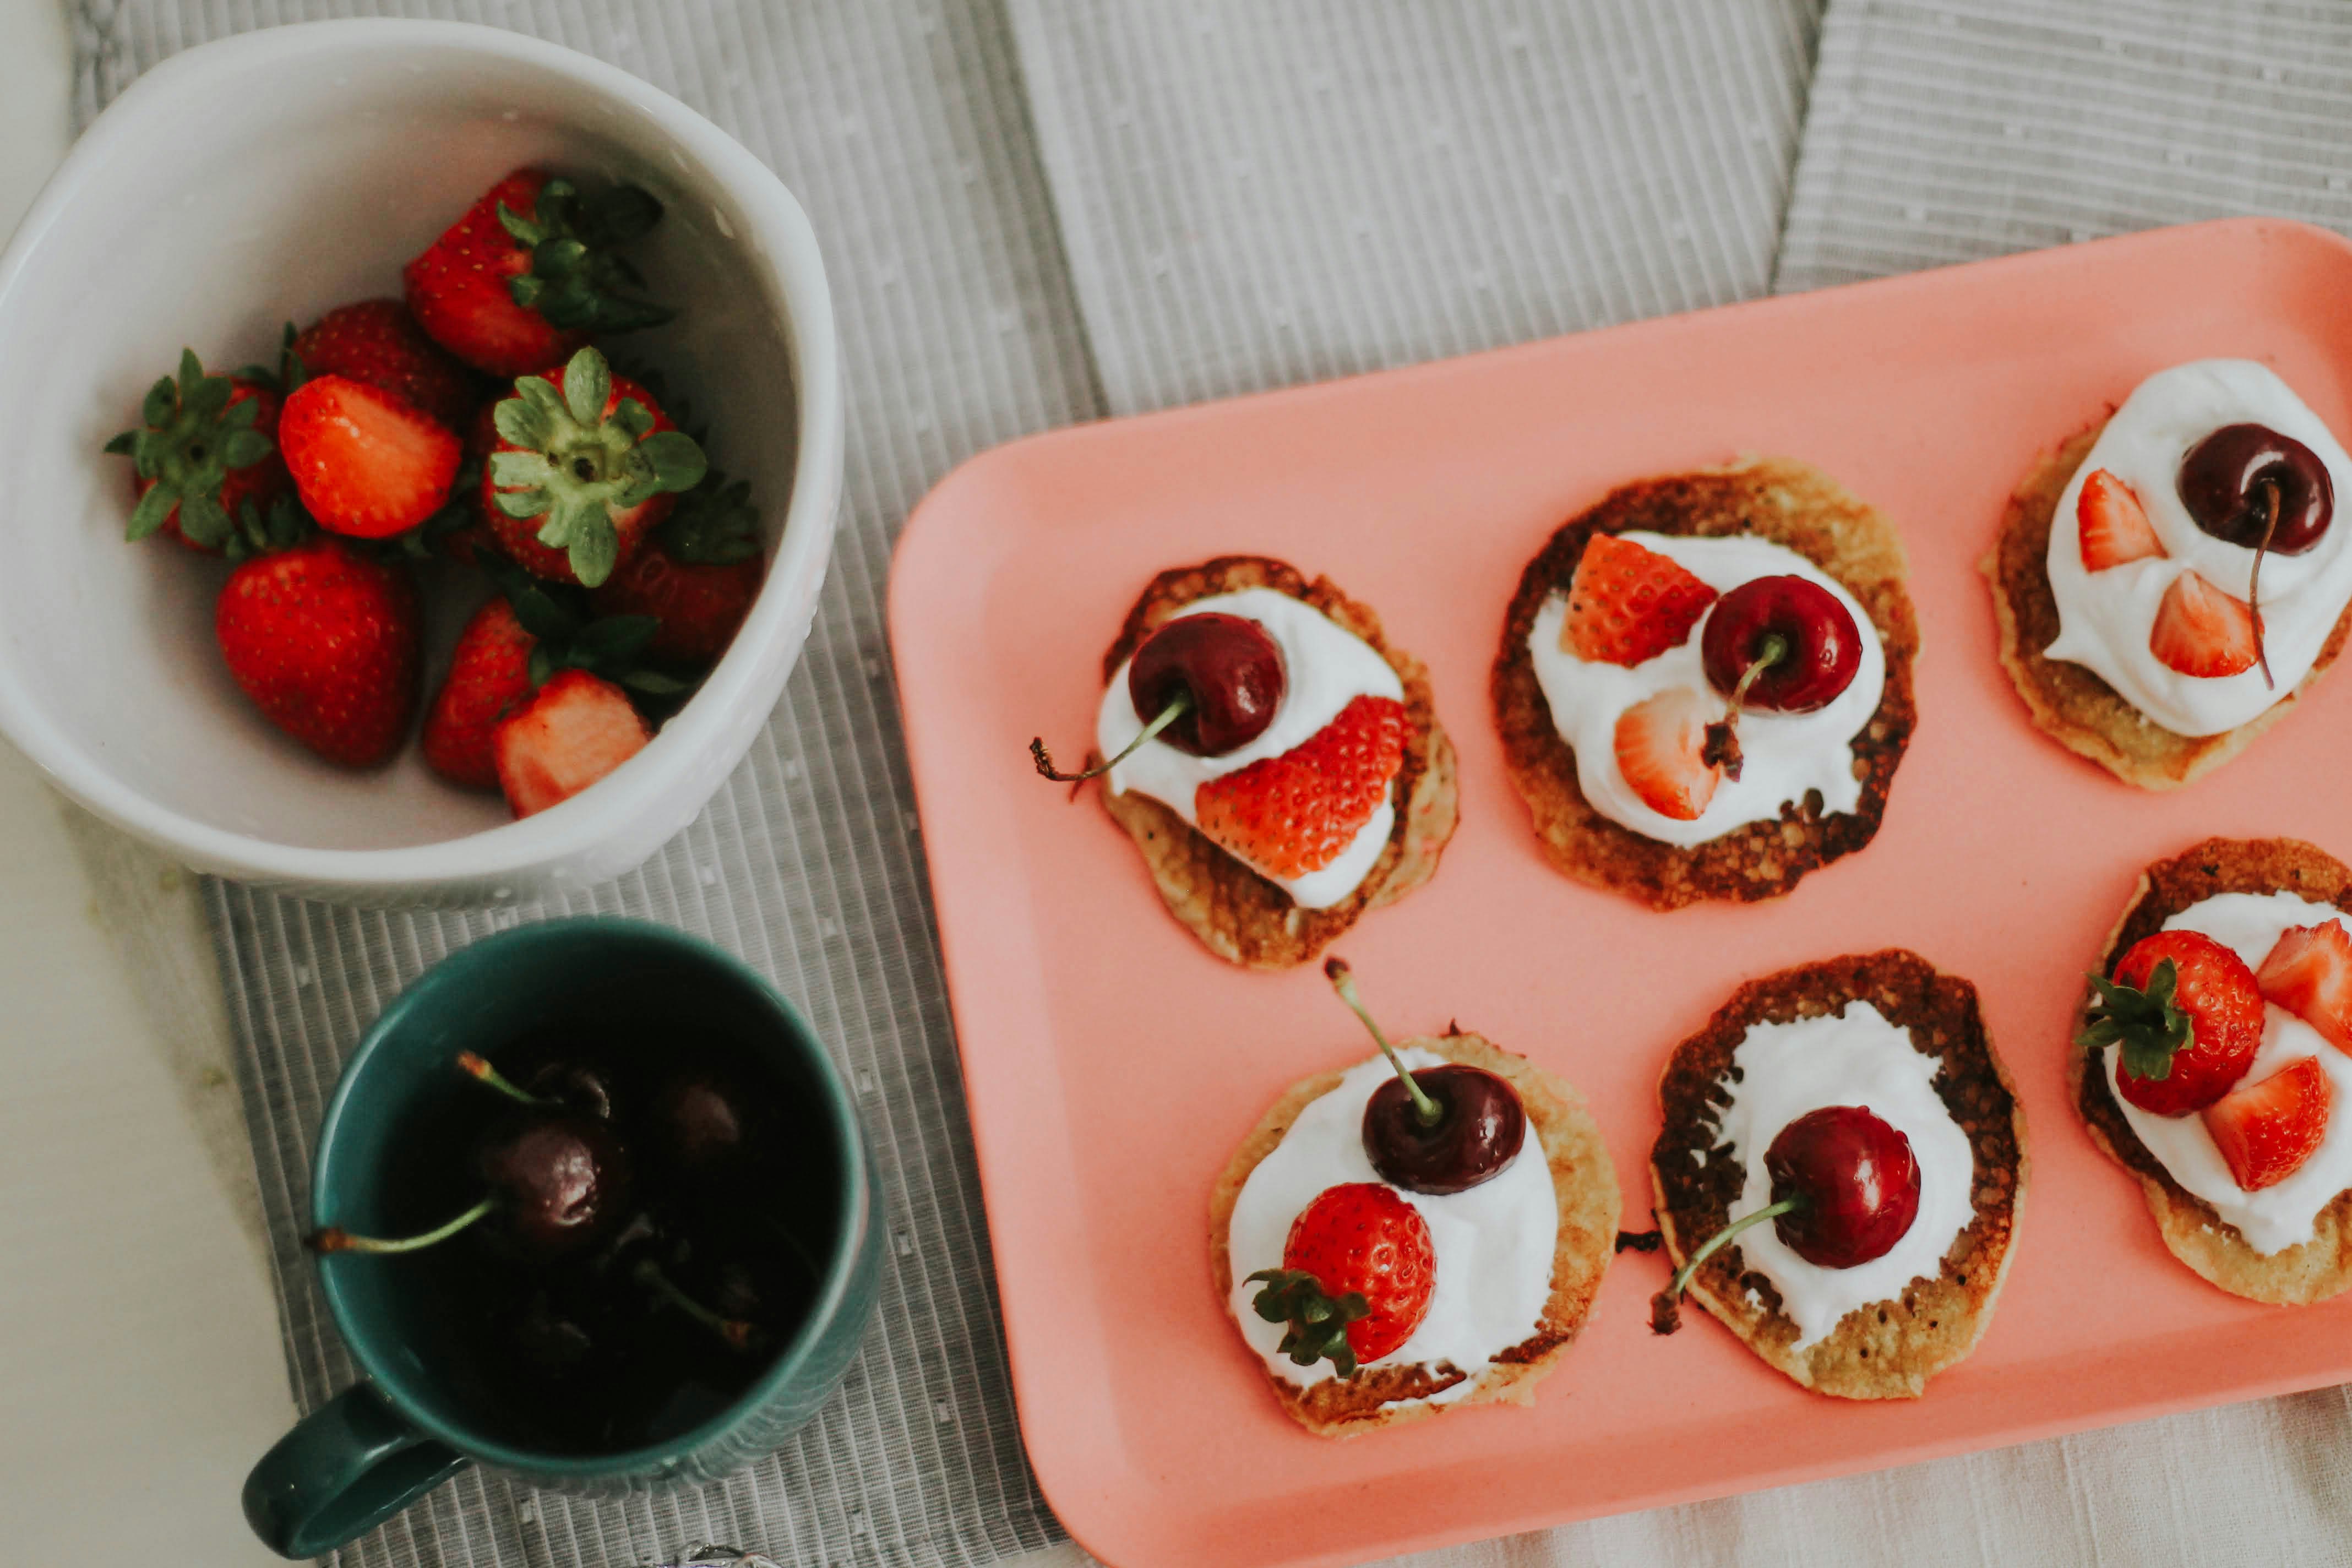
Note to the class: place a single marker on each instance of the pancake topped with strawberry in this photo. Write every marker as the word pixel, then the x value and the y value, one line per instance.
pixel 2210 1060
pixel 1278 763
pixel 2168 581
pixel 1705 683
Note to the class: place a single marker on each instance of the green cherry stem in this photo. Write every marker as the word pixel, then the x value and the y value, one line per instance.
pixel 2254 581
pixel 1663 1316
pixel 735 1331
pixel 1178 706
pixel 1343 980
pixel 335 1238
pixel 1722 747
pixel 481 1071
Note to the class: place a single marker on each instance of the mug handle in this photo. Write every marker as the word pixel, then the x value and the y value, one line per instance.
pixel 344 1469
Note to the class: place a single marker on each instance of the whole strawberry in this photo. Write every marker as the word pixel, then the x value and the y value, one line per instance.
pixel 1357 1273
pixel 529 274
pixel 1298 812
pixel 379 343
pixel 326 642
pixel 586 466
pixel 2188 1015
pixel 205 450
pixel 698 575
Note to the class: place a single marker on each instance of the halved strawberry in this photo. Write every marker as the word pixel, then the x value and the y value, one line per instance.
pixel 489 672
pixel 2266 1131
pixel 377 341
pixel 527 275
pixel 367 463
pixel 577 729
pixel 1295 813
pixel 2309 974
pixel 2114 526
pixel 1662 750
pixel 1627 604
pixel 2201 631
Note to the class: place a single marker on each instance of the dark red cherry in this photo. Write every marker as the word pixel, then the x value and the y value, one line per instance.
pixel 1480 1125
pixel 1796 645
pixel 559 1182
pixel 1857 1184
pixel 2227 479
pixel 702 1129
pixel 1228 667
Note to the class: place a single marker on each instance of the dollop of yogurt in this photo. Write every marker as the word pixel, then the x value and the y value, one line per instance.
pixel 2105 618
pixel 1857 1058
pixel 1494 1244
pixel 2279 1216
pixel 1325 667
pixel 1785 755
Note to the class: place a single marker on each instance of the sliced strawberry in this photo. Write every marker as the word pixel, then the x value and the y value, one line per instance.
pixel 489 672
pixel 1627 604
pixel 1358 1272
pixel 377 341
pixel 2309 974
pixel 2201 631
pixel 2114 526
pixel 1295 813
pixel 524 279
pixel 2266 1131
pixel 1662 752
pixel 326 642
pixel 578 727
pixel 367 463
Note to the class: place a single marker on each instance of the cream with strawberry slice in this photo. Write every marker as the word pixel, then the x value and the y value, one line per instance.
pixel 2222 1039
pixel 1305 800
pixel 2191 558
pixel 1706 683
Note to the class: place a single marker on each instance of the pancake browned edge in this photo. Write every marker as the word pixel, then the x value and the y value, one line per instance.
pixel 2321 1267
pixel 1238 914
pixel 1888 1351
pixel 1583 1181
pixel 1777 499
pixel 2075 707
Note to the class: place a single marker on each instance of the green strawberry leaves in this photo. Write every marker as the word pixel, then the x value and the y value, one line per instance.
pixel 194 430
pixel 567 635
pixel 575 280
pixel 1318 1322
pixel 2149 1023
pixel 714 524
pixel 580 464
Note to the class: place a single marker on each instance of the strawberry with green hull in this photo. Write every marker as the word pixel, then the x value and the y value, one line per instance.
pixel 572 732
pixel 529 274
pixel 325 641
pixel 587 466
pixel 204 452
pixel 697 577
pixel 2186 1014
pixel 377 341
pixel 367 462
pixel 515 644
pixel 1358 1272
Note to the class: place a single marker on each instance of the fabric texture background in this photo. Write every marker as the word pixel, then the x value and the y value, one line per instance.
pixel 1050 210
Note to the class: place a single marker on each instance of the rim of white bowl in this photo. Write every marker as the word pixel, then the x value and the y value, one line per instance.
pixel 578 825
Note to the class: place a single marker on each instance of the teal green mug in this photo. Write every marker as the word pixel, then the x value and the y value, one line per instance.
pixel 410 1422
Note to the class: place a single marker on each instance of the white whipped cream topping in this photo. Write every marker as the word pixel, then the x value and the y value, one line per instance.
pixel 1325 667
pixel 1783 754
pixel 2105 617
pixel 2279 1216
pixel 1494 1244
pixel 1855 1058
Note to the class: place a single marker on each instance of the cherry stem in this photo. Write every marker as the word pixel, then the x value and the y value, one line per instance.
pixel 335 1238
pixel 1775 649
pixel 1722 747
pixel 1715 1243
pixel 481 1071
pixel 2255 583
pixel 1343 980
pixel 1178 706
pixel 735 1331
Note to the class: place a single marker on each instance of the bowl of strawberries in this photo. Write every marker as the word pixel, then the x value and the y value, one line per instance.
pixel 430 466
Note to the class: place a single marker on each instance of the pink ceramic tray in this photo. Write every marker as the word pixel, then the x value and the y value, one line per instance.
pixel 1112 1064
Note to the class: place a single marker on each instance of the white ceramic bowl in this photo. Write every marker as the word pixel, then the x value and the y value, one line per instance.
pixel 267 178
